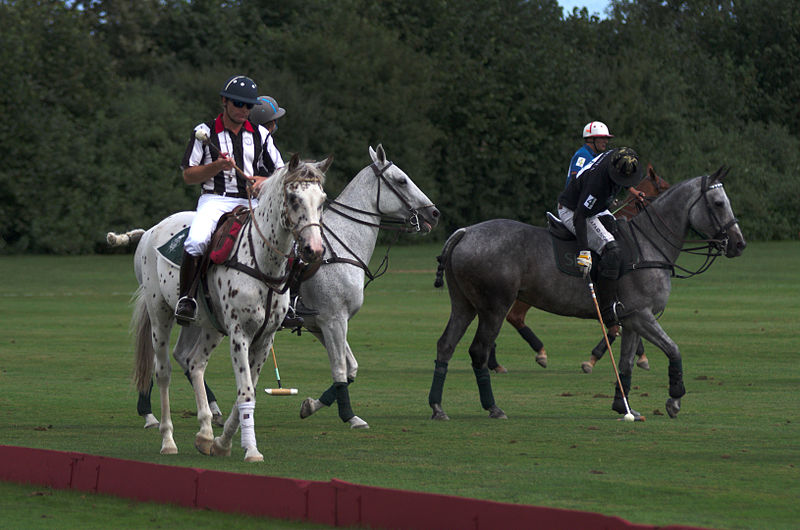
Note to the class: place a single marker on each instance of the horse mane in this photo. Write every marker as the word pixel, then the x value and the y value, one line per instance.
pixel 305 171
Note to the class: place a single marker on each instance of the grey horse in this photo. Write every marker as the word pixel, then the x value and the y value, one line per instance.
pixel 491 264
pixel 381 194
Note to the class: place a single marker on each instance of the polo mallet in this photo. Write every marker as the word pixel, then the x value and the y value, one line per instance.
pixel 203 137
pixel 629 415
pixel 280 391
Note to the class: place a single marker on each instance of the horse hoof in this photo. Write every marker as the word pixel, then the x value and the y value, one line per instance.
pixel 673 407
pixel 169 449
pixel 203 445
pixel 587 367
pixel 497 413
pixel 251 454
pixel 644 364
pixel 500 369
pixel 218 449
pixel 541 359
pixel 357 423
pixel 309 407
pixel 150 421
pixel 438 413
pixel 218 419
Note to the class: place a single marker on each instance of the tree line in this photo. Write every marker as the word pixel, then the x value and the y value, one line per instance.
pixel 481 102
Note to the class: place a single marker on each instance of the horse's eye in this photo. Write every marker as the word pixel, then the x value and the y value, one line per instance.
pixel 719 203
pixel 402 182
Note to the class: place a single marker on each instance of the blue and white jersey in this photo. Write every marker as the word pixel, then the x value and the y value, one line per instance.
pixel 579 161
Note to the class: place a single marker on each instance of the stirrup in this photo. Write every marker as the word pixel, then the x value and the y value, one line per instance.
pixel 186 311
pixel 298 309
pixel 613 313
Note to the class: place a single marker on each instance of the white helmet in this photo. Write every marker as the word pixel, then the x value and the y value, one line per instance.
pixel 596 129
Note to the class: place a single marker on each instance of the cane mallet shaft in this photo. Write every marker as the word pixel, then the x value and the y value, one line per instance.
pixel 608 344
pixel 203 137
pixel 280 391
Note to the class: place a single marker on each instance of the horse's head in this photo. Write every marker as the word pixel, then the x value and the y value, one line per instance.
pixel 398 196
pixel 712 216
pixel 304 198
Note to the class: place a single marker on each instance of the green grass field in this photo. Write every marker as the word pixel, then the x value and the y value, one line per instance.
pixel 730 460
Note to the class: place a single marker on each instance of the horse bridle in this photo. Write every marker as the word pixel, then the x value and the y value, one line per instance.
pixel 720 238
pixel 284 218
pixel 408 224
pixel 711 247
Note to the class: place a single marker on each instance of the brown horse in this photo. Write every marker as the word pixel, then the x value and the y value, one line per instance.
pixel 651 186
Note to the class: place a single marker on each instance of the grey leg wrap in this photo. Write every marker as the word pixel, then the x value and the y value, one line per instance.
pixel 676 388
pixel 484 387
pixel 531 338
pixel 143 406
pixel 439 375
pixel 640 348
pixel 600 350
pixel 343 399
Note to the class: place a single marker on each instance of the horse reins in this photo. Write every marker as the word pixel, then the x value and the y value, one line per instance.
pixel 410 224
pixel 713 247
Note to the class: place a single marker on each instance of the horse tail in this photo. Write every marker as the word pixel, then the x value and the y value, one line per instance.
pixel 442 258
pixel 142 331
pixel 123 240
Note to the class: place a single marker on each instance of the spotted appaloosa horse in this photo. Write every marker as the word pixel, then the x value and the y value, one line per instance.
pixel 652 186
pixel 248 301
pixel 491 264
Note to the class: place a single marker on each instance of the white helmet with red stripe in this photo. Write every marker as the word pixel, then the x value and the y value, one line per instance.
pixel 596 129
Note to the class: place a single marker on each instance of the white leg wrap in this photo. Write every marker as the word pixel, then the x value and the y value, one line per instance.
pixel 248 424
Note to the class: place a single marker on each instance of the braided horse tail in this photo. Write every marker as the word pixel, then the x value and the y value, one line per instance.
pixel 123 240
pixel 442 258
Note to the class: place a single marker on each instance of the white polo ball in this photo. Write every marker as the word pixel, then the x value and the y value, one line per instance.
pixel 629 417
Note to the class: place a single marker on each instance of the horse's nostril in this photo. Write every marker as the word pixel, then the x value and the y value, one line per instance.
pixel 435 213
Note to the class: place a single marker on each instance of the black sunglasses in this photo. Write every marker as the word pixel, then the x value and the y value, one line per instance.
pixel 240 104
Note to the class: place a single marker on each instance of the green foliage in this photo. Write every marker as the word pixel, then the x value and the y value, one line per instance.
pixel 480 102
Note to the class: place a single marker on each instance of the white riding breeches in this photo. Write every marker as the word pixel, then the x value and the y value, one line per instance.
pixel 596 234
pixel 210 208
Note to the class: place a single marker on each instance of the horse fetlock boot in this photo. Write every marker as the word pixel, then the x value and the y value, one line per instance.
pixel 186 309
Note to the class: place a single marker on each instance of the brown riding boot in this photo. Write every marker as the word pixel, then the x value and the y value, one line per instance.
pixel 186 309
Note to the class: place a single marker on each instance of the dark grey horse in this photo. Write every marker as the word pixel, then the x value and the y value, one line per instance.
pixel 491 264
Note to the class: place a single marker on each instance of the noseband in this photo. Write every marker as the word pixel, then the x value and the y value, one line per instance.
pixel 720 239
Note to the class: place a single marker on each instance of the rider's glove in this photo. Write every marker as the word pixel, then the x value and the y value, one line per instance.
pixel 584 261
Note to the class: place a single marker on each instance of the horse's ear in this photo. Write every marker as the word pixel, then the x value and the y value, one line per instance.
pixel 727 170
pixel 294 162
pixel 715 177
pixel 378 155
pixel 325 164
